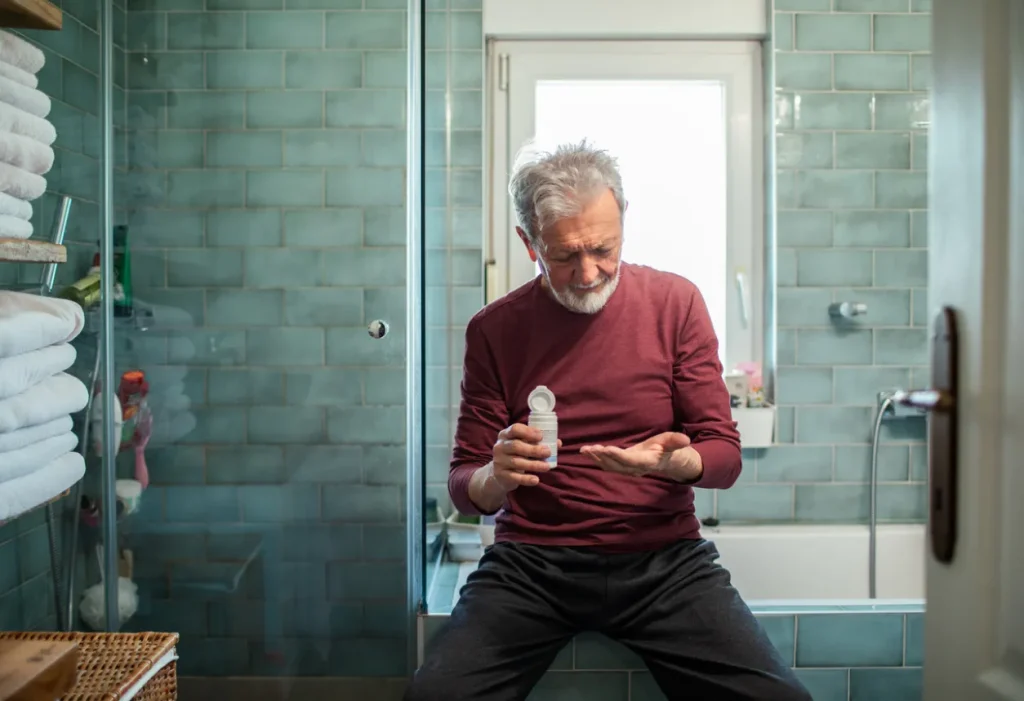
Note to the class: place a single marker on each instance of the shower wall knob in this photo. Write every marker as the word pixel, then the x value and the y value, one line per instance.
pixel 847 310
pixel 378 328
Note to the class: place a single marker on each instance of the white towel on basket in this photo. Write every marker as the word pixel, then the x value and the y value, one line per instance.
pixel 30 322
pixel 18 75
pixel 14 228
pixel 28 459
pixel 23 97
pixel 21 122
pixel 20 372
pixel 26 153
pixel 18 52
pixel 25 493
pixel 13 207
pixel 52 398
pixel 34 434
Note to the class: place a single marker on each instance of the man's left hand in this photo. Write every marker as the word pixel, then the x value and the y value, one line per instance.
pixel 666 455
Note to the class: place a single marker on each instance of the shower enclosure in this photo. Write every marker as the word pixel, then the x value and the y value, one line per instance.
pixel 267 164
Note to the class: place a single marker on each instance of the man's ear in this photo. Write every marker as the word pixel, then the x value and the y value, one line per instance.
pixel 526 242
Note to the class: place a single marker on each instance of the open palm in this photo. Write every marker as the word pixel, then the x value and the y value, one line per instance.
pixel 651 456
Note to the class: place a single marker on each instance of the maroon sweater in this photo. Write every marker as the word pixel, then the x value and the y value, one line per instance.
pixel 645 364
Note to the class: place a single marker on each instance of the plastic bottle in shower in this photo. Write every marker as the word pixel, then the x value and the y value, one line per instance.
pixel 542 417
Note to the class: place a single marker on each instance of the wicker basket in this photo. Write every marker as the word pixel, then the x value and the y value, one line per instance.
pixel 111 664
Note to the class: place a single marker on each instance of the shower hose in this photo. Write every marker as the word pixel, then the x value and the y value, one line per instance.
pixel 883 407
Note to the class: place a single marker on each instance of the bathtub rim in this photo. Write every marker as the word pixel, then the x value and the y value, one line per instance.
pixel 790 607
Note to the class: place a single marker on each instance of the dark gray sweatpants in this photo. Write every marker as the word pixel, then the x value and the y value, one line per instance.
pixel 675 607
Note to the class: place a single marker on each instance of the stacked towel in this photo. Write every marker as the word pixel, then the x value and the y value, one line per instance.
pixel 26 136
pixel 37 399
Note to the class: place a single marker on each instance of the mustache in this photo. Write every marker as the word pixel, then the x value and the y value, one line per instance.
pixel 594 285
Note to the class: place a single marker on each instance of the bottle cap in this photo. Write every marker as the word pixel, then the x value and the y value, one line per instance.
pixel 541 400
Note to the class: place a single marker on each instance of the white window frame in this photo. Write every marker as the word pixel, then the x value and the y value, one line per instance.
pixel 513 68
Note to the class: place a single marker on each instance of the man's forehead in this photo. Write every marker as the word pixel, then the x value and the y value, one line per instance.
pixel 576 245
pixel 579 233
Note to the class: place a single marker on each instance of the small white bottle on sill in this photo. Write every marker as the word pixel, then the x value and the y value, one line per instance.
pixel 543 417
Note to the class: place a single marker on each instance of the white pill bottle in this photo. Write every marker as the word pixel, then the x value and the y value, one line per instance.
pixel 543 418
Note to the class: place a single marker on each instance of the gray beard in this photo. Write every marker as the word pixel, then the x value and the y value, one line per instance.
pixel 584 302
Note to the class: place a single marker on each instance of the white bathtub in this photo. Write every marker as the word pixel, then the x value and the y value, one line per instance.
pixel 770 564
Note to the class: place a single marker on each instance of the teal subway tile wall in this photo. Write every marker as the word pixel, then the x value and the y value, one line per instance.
pixel 851 116
pixel 839 655
pixel 70 78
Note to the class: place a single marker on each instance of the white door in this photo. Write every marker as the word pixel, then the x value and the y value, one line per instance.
pixel 974 626
pixel 684 120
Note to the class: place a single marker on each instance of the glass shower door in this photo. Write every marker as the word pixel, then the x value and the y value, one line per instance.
pixel 261 179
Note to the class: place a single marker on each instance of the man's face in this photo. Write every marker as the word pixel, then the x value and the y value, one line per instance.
pixel 580 255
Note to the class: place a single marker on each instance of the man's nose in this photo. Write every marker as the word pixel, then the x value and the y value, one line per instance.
pixel 589 273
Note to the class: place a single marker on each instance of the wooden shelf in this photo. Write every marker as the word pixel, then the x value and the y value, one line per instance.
pixel 29 251
pixel 30 14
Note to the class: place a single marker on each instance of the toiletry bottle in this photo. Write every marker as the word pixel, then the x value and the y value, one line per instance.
pixel 542 417
pixel 123 301
pixel 86 291
pixel 132 394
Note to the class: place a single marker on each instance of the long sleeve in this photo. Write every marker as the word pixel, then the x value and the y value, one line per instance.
pixel 702 400
pixel 482 414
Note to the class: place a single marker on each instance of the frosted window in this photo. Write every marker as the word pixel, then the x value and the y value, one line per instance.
pixel 670 140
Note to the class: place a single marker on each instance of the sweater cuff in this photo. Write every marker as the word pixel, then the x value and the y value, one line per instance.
pixel 722 462
pixel 458 489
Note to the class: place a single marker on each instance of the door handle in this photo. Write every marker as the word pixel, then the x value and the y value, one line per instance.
pixel 940 401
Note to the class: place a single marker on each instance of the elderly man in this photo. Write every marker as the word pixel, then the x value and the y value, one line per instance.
pixel 607 540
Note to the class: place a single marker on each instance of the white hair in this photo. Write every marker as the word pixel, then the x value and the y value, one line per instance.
pixel 550 185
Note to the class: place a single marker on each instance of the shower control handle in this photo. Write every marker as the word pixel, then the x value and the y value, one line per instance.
pixel 925 399
pixel 847 310
pixel 940 401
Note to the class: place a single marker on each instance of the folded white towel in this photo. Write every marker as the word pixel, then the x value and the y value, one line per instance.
pixel 32 490
pixel 25 152
pixel 52 398
pixel 19 183
pixel 13 207
pixel 34 434
pixel 23 97
pixel 14 228
pixel 30 458
pixel 18 52
pixel 21 122
pixel 19 372
pixel 18 75
pixel 30 322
